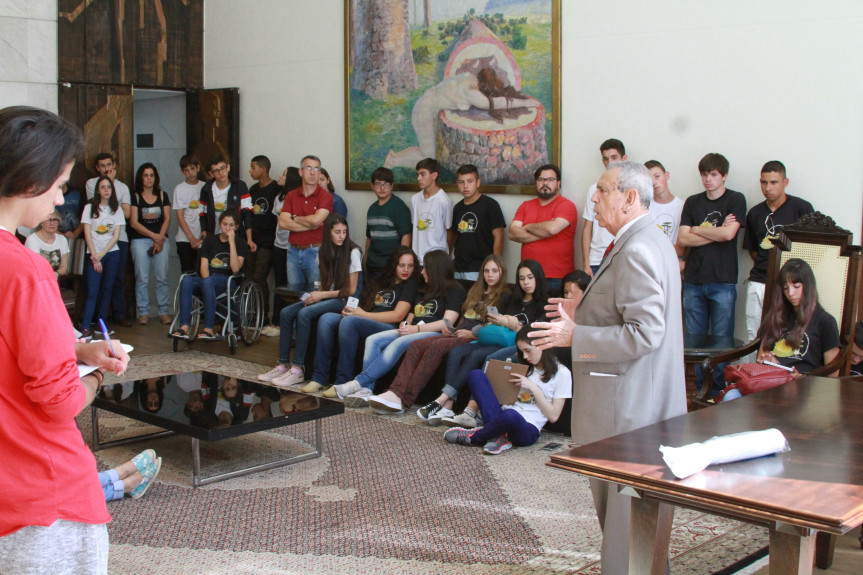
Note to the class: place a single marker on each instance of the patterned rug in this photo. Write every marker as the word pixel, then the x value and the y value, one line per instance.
pixel 388 496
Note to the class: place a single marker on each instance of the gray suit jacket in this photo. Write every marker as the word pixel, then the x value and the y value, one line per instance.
pixel 629 328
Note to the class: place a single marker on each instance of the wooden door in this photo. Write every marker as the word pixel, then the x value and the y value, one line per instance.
pixel 213 126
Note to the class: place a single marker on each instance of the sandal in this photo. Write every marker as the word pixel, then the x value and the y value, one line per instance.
pixel 206 336
pixel 181 333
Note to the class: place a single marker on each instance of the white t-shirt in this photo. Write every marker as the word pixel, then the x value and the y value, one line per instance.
pixel 281 234
pixel 601 236
pixel 355 266
pixel 220 200
pixel 559 386
pixel 431 218
pixel 102 227
pixel 123 196
pixel 667 217
pixel 52 252
pixel 186 198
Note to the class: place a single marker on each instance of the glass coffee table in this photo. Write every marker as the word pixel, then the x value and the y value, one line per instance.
pixel 207 406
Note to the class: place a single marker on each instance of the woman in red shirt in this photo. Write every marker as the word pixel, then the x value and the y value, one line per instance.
pixel 54 511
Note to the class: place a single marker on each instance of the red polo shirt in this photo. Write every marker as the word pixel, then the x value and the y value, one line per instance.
pixel 299 205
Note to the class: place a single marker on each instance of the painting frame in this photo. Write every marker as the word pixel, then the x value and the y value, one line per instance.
pixel 368 117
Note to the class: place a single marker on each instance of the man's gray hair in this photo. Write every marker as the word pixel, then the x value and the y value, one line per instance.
pixel 310 157
pixel 634 175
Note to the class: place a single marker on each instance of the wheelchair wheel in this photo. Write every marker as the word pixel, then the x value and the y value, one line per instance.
pixel 232 342
pixel 194 319
pixel 251 311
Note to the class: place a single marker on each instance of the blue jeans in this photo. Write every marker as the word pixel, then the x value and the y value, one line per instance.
pixel 99 286
pixel 302 315
pixel 496 420
pixel 709 309
pixel 303 269
pixel 159 264
pixel 118 291
pixel 383 351
pixel 112 485
pixel 209 288
pixel 349 332
pixel 460 361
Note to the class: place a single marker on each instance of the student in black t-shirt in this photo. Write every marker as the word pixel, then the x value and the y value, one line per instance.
pixel 384 303
pixel 264 222
pixel 221 256
pixel 477 226
pixel 443 299
pixel 798 333
pixel 149 220
pixel 763 223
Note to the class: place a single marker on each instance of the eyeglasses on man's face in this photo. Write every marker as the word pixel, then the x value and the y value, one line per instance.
pixel 311 169
pixel 220 169
pixel 382 185
pixel 545 180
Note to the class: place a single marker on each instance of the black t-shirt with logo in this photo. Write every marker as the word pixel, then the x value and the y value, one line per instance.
pixel 762 225
pixel 821 335
pixel 218 253
pixel 151 216
pixel 264 222
pixel 473 225
pixel 388 299
pixel 526 312
pixel 429 310
pixel 715 262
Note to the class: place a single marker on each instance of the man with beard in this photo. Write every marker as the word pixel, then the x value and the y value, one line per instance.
pixel 545 226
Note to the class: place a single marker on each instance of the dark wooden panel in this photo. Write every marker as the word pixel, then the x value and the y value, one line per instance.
pixel 104 114
pixel 157 43
pixel 213 125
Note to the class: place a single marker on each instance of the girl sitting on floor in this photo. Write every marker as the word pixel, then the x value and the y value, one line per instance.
pixel 442 299
pixel 384 303
pixel 221 256
pixel 424 356
pixel 544 390
pixel 340 267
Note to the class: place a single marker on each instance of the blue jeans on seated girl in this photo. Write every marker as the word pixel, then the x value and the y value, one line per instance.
pixel 497 420
pixel 349 332
pixel 460 361
pixel 99 286
pixel 112 485
pixel 383 351
pixel 209 288
pixel 302 315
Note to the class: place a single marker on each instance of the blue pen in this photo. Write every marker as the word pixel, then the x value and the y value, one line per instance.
pixel 107 337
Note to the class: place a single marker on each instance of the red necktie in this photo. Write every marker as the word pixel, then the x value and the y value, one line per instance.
pixel 607 251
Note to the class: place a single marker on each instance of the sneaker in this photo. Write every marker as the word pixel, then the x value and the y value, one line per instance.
pixel 271 331
pixel 463 419
pixel 143 320
pixel 149 476
pixel 290 377
pixel 458 435
pixel 359 398
pixel 345 389
pixel 496 446
pixel 273 373
pixel 100 332
pixel 385 406
pixel 86 334
pixel 438 417
pixel 312 387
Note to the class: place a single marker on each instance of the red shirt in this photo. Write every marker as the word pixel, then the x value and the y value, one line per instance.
pixel 556 254
pixel 299 205
pixel 48 472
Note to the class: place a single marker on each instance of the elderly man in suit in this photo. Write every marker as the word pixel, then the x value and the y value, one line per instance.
pixel 626 339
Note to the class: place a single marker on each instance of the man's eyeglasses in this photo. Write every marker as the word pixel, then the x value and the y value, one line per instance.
pixel 545 180
pixel 382 185
pixel 221 170
pixel 312 169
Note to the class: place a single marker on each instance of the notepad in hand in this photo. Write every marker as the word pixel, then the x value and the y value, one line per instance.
pixel 498 373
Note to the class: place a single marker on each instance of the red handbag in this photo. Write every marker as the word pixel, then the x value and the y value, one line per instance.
pixel 754 377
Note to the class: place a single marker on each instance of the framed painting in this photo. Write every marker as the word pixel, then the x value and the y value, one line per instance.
pixel 462 81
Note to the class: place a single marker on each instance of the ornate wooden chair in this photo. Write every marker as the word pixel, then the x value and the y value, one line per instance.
pixel 835 261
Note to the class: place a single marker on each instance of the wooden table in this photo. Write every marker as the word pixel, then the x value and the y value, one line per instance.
pixel 817 486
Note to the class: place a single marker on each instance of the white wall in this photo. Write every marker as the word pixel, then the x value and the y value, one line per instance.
pixel 673 80
pixel 28 53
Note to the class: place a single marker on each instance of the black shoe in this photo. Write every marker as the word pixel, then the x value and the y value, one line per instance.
pixel 430 410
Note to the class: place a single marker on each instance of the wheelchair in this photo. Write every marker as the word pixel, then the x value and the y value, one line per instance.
pixel 240 309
